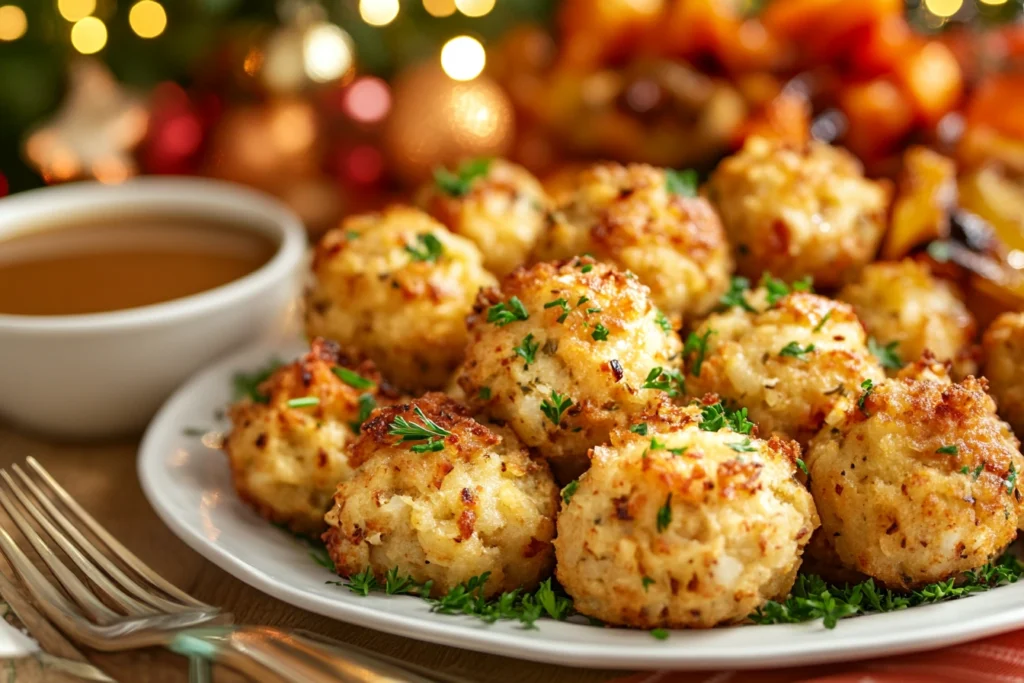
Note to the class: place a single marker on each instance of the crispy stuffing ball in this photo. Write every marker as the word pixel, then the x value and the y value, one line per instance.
pixel 443 508
pixel 788 360
pixel 630 217
pixel 564 353
pixel 904 304
pixel 1004 366
pixel 798 210
pixel 498 205
pixel 915 480
pixel 674 526
pixel 287 461
pixel 397 286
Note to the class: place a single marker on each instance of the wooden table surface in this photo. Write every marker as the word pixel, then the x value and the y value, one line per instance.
pixel 102 478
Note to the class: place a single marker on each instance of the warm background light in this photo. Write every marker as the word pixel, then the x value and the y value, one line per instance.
pixel 326 53
pixel 944 8
pixel 378 12
pixel 463 58
pixel 439 8
pixel 474 8
pixel 148 19
pixel 993 2
pixel 13 22
pixel 73 10
pixel 367 100
pixel 89 35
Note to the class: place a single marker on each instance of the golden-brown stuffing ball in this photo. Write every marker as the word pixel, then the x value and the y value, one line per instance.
pixel 674 526
pixel 915 480
pixel 798 210
pixel 788 362
pixel 498 205
pixel 446 505
pixel 903 304
pixel 564 353
pixel 639 218
pixel 1004 367
pixel 287 452
pixel 397 286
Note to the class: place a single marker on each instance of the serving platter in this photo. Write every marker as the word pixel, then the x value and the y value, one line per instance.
pixel 187 481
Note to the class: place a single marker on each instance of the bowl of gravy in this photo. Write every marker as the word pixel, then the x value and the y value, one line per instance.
pixel 111 296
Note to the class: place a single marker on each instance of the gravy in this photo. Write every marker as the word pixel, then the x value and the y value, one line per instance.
pixel 109 264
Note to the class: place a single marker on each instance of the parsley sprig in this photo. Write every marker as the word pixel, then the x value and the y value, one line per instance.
pixel 503 313
pixel 554 407
pixel 430 433
pixel 458 183
pixel 716 416
pixel 794 350
pixel 737 294
pixel 427 248
pixel 696 346
pixel 683 183
pixel 247 384
pixel 665 379
pixel 778 289
pixel 888 355
pixel 527 350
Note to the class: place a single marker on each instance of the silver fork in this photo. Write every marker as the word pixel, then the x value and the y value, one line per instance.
pixel 153 611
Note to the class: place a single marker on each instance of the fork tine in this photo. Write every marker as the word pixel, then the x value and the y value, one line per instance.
pixel 125 602
pixel 78 591
pixel 45 593
pixel 112 543
pixel 126 582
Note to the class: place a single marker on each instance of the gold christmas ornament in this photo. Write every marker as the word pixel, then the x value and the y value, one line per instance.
pixel 436 120
pixel 93 133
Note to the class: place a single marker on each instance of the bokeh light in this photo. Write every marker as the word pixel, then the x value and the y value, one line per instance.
pixel 474 8
pixel 439 8
pixel 367 100
pixel 89 35
pixel 13 22
pixel 378 12
pixel 73 10
pixel 327 52
pixel 463 58
pixel 147 18
pixel 944 8
pixel 993 2
pixel 365 164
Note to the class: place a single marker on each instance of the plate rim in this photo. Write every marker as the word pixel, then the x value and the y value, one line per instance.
pixel 467 633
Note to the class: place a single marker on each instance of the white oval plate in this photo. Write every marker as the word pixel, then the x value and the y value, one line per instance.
pixel 190 488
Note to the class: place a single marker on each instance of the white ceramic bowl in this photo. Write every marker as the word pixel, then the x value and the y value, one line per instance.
pixel 105 374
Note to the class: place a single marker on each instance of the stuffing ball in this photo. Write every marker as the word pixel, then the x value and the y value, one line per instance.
pixel 789 360
pixel 397 287
pixel 677 527
pixel 498 205
pixel 1004 366
pixel 916 480
pixel 445 504
pixel 564 353
pixel 904 307
pixel 640 218
pixel 796 210
pixel 287 448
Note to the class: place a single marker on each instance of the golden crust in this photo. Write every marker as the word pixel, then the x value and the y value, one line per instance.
pixel 785 393
pixel 481 504
pixel 796 210
pixel 733 537
pixel 371 294
pixel 286 462
pixel 917 481
pixel 1004 366
pixel 625 215
pixel 603 378
pixel 503 212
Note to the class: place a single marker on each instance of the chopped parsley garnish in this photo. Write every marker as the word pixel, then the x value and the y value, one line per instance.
pixel 303 402
pixel 1011 479
pixel 794 350
pixel 665 379
pixel 587 267
pixel 803 466
pixel 394 584
pixel 640 429
pixel 430 433
pixel 526 608
pixel 977 471
pixel 646 582
pixel 656 445
pixel 527 350
pixel 594 309
pixel 570 490
pixel 663 322
pixel 351 235
pixel 665 514
pixel 677 451
pixel 484 393
pixel 600 333
pixel 561 303
pixel 659 633
pixel 821 323
pixel 744 446
pixel 683 183
pixel 716 416
pixel 582 300
pixel 458 183
pixel 503 313
pixel 362 583
pixel 427 248
pixel 429 446
pixel 965 469
pixel 777 289
pixel 554 408
pixel 738 421
pixel 737 294
pixel 867 385
pixel 367 403
pixel 247 384
pixel 696 345
pixel 948 450
pixel 351 378
pixel 887 355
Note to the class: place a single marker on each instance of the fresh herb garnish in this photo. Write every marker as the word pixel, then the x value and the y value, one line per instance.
pixel 737 294
pixel 563 304
pixel 744 446
pixel 247 384
pixel 367 403
pixel 977 471
pixel 696 345
pixel 194 431
pixel 659 633
pixel 646 582
pixel 716 416
pixel 458 183
pixel 303 402
pixel 665 379
pixel 821 323
pixel 803 466
pixel 429 432
pixel 640 429
pixel 587 268
pixel 683 183
pixel 351 235
pixel 570 490
pixel 663 322
pixel 362 583
pixel 554 408
pixel 867 385
pixel 738 421
pixel 887 355
pixel 484 393
pixel 600 333
pixel 665 514
pixel 777 288
pixel 527 350
pixel 794 350
pixel 427 248
pixel 948 450
pixel 351 378
pixel 503 313
pixel 394 584
pixel 1011 479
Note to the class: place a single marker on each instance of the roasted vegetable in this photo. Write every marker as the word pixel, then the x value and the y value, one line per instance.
pixel 924 199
